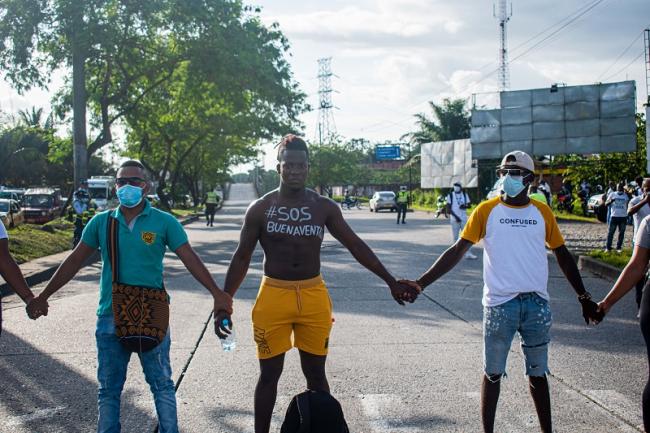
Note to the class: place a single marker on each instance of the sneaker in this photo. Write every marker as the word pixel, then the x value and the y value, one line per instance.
pixel 619 251
pixel 470 256
pixel 403 222
pixel 607 250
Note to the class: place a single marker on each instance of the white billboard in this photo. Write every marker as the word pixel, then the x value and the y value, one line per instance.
pixel 446 162
pixel 596 118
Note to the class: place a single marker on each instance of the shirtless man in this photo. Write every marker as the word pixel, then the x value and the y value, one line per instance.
pixel 289 223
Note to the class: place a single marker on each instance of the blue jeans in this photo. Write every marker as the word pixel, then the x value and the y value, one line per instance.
pixel 614 223
pixel 527 314
pixel 113 361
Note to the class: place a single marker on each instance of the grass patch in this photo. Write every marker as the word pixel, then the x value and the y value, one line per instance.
pixel 181 213
pixel 613 258
pixel 572 217
pixel 30 241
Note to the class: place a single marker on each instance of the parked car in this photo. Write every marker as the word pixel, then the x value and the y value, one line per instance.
pixel 383 200
pixel 10 213
pixel 596 207
pixel 13 194
pixel 41 204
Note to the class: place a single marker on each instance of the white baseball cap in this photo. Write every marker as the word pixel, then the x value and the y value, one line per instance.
pixel 522 159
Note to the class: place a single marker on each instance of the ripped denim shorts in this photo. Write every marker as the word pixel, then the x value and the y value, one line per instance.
pixel 527 314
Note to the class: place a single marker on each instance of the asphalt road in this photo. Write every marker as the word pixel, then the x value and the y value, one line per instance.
pixel 395 369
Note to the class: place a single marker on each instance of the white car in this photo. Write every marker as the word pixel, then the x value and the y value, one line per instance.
pixel 10 213
pixel 383 200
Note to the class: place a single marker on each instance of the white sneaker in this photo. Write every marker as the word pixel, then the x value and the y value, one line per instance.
pixel 470 256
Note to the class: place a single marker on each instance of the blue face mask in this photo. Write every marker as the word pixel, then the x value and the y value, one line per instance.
pixel 512 185
pixel 129 195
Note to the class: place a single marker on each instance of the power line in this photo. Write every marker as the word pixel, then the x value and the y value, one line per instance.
pixel 626 66
pixel 620 56
pixel 573 17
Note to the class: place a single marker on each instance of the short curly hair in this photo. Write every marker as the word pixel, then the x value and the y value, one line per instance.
pixel 292 142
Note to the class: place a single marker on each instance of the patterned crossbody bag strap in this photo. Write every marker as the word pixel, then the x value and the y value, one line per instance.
pixel 112 241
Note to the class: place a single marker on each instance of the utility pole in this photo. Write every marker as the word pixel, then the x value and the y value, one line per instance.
pixel 503 16
pixel 646 47
pixel 79 138
pixel 326 126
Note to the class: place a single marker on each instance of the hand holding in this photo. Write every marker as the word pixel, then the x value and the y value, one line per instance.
pixel 223 302
pixel 37 307
pixel 405 290
pixel 220 329
pixel 591 311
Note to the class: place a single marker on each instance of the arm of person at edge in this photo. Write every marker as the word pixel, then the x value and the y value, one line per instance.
pixel 445 262
pixel 635 208
pixel 570 270
pixel 12 275
pixel 194 264
pixel 339 228
pixel 66 271
pixel 632 273
pixel 238 267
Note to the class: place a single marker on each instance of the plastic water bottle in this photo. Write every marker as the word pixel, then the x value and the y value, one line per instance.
pixel 229 343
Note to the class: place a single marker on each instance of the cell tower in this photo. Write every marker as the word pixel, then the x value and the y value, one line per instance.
pixel 326 126
pixel 503 16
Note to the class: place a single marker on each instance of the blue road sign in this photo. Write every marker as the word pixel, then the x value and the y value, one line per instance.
pixel 387 152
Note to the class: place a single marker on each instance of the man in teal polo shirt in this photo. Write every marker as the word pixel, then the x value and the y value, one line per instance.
pixel 144 235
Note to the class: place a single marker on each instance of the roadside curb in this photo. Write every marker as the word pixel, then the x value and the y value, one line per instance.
pixel 599 268
pixel 46 273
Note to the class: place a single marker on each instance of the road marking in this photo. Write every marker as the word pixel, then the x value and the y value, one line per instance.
pixel 618 404
pixel 384 413
pixel 38 414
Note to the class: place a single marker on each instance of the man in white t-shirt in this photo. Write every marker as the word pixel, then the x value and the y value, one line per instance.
pixel 617 202
pixel 11 273
pixel 639 208
pixel 457 205
pixel 514 231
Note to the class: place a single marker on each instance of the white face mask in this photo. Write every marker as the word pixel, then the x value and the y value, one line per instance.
pixel 456 188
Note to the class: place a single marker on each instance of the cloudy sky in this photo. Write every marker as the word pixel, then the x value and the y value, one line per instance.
pixel 392 56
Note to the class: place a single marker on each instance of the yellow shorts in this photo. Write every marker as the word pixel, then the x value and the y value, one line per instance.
pixel 301 307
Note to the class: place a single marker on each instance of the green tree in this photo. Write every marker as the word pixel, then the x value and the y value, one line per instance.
pixel 450 121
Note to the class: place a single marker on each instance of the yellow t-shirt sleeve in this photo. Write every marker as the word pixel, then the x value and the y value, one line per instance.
pixel 474 230
pixel 554 238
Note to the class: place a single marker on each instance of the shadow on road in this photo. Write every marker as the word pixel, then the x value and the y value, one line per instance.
pixel 45 395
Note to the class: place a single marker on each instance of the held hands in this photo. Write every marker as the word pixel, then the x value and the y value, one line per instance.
pixel 405 290
pixel 220 329
pixel 222 301
pixel 36 307
pixel 591 312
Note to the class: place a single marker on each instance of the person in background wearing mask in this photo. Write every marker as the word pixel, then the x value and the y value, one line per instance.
pixel 402 203
pixel 12 275
pixel 514 230
pixel 457 205
pixel 144 235
pixel 617 201
pixel 638 209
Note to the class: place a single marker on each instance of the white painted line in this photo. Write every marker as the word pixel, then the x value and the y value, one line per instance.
pixel 38 414
pixel 617 403
pixel 385 412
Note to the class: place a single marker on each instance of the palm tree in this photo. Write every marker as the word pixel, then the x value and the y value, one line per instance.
pixel 33 118
pixel 450 122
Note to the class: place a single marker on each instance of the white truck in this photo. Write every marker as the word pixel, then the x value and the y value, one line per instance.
pixel 102 192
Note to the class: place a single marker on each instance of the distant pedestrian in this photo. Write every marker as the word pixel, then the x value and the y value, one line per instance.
pixel 402 203
pixel 545 189
pixel 14 277
pixel 534 194
pixel 638 189
pixel 457 204
pixel 211 202
pixel 639 208
pixel 617 201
